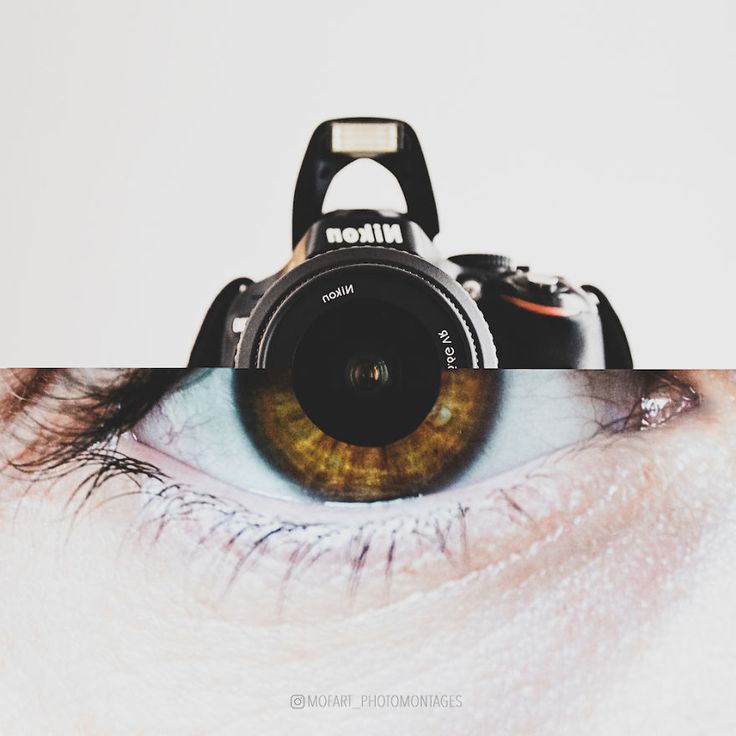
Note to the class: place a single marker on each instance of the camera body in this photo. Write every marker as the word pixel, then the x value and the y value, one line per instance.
pixel 351 266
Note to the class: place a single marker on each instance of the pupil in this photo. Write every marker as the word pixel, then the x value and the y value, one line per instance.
pixel 368 374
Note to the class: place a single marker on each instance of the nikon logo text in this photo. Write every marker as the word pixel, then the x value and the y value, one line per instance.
pixel 340 291
pixel 369 233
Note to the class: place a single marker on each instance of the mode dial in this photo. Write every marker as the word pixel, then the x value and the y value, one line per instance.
pixel 483 262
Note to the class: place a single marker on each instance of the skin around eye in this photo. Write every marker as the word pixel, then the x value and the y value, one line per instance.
pixel 599 603
pixel 417 542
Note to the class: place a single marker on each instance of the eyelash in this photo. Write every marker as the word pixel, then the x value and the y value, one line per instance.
pixel 97 416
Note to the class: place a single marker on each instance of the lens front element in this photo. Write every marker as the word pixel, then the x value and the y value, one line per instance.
pixel 366 373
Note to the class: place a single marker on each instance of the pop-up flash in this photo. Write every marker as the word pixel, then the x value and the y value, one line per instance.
pixel 365 139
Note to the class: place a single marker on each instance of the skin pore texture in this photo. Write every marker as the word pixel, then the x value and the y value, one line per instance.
pixel 589 594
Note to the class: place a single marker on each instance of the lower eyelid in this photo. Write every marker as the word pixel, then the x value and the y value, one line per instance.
pixel 367 551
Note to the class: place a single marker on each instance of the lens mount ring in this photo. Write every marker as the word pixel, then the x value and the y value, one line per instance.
pixel 252 348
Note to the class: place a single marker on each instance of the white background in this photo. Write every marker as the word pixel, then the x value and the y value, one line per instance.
pixel 148 152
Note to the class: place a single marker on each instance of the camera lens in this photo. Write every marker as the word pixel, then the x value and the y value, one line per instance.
pixel 366 333
pixel 366 373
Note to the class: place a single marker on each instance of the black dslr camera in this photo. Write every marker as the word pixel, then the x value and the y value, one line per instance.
pixel 366 295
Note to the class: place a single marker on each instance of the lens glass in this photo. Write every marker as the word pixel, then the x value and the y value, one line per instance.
pixel 366 373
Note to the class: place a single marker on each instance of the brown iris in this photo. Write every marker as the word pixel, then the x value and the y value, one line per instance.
pixel 438 449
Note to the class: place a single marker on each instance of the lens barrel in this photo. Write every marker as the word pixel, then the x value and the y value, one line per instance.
pixel 366 333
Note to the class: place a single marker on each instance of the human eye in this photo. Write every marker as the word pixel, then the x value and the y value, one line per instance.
pixel 251 430
pixel 503 459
